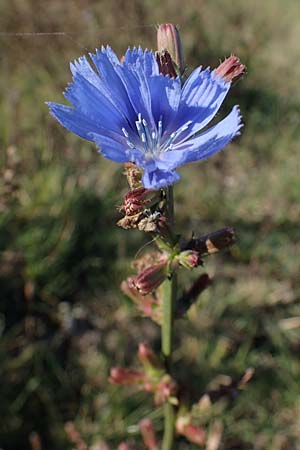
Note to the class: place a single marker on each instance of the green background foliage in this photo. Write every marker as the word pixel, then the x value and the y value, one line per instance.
pixel 63 321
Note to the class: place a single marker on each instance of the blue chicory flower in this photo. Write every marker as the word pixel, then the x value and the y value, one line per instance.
pixel 135 114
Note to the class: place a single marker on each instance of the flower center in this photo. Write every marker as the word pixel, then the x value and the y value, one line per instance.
pixel 152 142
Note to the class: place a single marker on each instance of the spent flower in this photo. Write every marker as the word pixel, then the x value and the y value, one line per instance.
pixel 133 113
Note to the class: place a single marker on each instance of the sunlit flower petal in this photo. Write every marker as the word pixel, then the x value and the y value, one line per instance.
pixel 135 114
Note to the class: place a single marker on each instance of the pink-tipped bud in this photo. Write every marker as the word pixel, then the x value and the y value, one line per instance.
pixel 189 259
pixel 151 278
pixel 148 305
pixel 168 40
pixel 231 69
pixel 194 434
pixel 121 375
pixel 148 434
pixel 165 389
pixel 126 446
pixel 148 358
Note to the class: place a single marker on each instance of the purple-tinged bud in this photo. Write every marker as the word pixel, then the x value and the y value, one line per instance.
pixel 148 305
pixel 148 358
pixel 231 69
pixel 137 199
pixel 168 39
pixel 189 259
pixel 121 375
pixel 151 278
pixel 126 446
pixel 190 296
pixel 165 64
pixel 165 390
pixel 148 434
pixel 194 434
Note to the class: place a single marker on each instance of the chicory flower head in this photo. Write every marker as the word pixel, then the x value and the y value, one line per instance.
pixel 135 114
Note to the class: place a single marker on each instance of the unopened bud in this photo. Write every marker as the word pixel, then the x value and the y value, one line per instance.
pixel 190 296
pixel 194 434
pixel 151 278
pixel 231 69
pixel 126 446
pixel 165 390
pixel 148 358
pixel 148 434
pixel 120 375
pixel 168 39
pixel 189 259
pixel 148 305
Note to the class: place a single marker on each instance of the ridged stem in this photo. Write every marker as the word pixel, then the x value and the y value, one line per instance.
pixel 169 296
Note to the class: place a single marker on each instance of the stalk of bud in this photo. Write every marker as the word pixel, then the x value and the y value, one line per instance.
pixel 231 69
pixel 168 39
pixel 121 375
pixel 148 434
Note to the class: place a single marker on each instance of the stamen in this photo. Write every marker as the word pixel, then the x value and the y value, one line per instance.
pixel 151 141
pixel 125 132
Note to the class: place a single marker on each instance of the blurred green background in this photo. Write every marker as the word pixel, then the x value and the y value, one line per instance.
pixel 63 321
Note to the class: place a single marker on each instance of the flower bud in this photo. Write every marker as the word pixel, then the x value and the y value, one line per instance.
pixel 168 39
pixel 148 305
pixel 190 296
pixel 231 69
pixel 151 278
pixel 191 432
pixel 148 358
pixel 148 434
pixel 164 390
pixel 126 446
pixel 121 375
pixel 189 259
pixel 165 64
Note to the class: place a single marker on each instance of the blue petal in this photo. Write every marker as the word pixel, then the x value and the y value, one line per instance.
pixel 73 120
pixel 92 103
pixel 110 148
pixel 158 179
pixel 83 67
pixel 106 63
pixel 207 143
pixel 144 59
pixel 165 96
pixel 138 93
pixel 202 95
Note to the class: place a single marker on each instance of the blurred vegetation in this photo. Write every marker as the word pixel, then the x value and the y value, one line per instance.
pixel 63 321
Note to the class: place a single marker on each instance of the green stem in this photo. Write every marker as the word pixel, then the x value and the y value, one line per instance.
pixel 169 295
